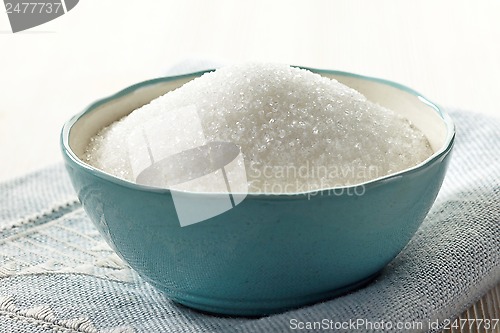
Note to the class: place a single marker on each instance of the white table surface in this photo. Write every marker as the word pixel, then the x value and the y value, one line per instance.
pixel 447 50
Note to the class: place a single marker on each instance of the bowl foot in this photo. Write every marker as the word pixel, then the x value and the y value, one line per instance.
pixel 258 308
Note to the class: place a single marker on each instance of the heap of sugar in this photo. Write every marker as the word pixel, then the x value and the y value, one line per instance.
pixel 297 131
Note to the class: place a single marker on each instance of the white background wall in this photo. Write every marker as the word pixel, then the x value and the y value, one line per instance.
pixel 447 50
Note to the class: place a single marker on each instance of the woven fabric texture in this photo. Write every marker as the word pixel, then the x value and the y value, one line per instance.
pixel 58 275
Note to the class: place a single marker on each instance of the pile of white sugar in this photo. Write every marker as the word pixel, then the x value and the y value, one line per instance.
pixel 297 131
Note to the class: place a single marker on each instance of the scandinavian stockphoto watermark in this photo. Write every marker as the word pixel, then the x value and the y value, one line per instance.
pixel 309 180
pixel 28 14
pixel 187 162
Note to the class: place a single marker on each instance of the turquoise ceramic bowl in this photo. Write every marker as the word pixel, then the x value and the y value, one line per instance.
pixel 269 253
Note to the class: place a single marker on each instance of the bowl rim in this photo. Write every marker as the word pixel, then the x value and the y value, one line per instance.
pixel 438 155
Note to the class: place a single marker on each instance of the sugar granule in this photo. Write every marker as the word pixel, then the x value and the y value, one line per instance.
pixel 298 131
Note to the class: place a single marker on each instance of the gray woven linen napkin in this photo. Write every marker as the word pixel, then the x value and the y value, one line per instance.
pixel 58 275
